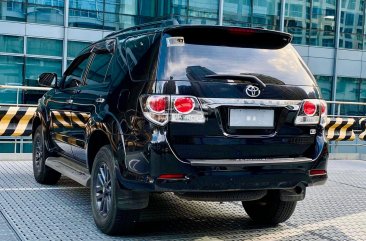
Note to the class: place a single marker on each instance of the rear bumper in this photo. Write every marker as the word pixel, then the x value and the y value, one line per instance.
pixel 239 181
pixel 219 178
pixel 219 181
pixel 157 158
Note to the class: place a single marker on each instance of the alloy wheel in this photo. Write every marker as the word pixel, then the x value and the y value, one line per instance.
pixel 103 190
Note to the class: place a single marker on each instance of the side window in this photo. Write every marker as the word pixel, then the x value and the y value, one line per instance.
pixel 74 77
pixel 141 52
pixel 98 69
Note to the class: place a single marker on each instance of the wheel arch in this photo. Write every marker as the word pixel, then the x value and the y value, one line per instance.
pixel 35 123
pixel 96 140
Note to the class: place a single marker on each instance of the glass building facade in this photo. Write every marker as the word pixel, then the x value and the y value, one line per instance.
pixel 45 35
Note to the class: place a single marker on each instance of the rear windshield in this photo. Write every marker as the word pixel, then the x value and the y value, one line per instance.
pixel 181 60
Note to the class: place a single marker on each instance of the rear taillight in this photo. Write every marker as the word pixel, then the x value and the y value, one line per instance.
pixel 160 109
pixel 157 104
pixel 310 107
pixel 184 105
pixel 156 108
pixel 312 112
pixel 323 113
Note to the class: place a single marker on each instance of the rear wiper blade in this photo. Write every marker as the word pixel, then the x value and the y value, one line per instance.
pixel 251 78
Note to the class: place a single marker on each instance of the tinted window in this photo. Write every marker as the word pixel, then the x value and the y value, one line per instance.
pixel 141 52
pixel 98 69
pixel 194 61
pixel 75 75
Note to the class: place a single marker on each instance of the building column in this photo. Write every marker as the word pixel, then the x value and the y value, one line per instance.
pixel 221 12
pixel 336 48
pixel 282 15
pixel 66 26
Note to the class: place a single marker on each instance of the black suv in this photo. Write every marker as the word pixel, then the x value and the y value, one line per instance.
pixel 209 113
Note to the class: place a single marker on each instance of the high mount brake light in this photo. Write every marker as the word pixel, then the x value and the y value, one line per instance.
pixel 242 31
pixel 160 109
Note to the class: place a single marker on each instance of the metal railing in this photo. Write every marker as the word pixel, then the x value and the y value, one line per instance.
pixel 20 88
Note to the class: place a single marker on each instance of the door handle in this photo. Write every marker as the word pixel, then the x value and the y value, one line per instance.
pixel 69 101
pixel 100 100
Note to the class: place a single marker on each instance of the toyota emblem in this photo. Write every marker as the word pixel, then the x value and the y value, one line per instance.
pixel 252 91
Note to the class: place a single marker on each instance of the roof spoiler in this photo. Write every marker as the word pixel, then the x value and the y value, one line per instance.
pixel 231 36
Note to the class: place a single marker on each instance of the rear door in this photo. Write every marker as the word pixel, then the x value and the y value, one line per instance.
pixel 250 84
pixel 90 99
pixel 60 104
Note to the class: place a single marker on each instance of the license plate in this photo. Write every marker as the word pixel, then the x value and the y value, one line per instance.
pixel 251 118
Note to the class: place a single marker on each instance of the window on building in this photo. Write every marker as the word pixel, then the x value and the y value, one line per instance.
pixel 12 10
pixel 180 8
pixel 118 21
pixel 36 66
pixel 11 44
pixel 203 11
pixel 349 89
pixel 322 26
pixel 266 13
pixel 297 18
pixel 86 13
pixel 351 25
pixel 237 12
pixel 325 84
pixel 256 13
pixel 11 72
pixel 49 47
pixel 74 48
pixel 46 12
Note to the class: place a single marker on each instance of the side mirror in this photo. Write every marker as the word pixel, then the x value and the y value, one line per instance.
pixel 48 80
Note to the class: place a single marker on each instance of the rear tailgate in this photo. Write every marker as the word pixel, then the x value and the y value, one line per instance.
pixel 217 139
pixel 188 67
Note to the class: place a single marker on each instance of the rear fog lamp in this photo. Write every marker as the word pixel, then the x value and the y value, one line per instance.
pixel 317 172
pixel 172 176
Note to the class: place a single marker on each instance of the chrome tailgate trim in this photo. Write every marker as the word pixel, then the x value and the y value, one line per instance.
pixel 246 162
pixel 212 103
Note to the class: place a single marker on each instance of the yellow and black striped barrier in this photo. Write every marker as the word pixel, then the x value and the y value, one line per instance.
pixel 340 129
pixel 16 120
pixel 362 123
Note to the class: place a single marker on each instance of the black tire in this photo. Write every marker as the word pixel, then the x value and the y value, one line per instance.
pixel 270 209
pixel 109 220
pixel 42 173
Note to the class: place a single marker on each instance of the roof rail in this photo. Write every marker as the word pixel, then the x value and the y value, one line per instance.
pixel 156 24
